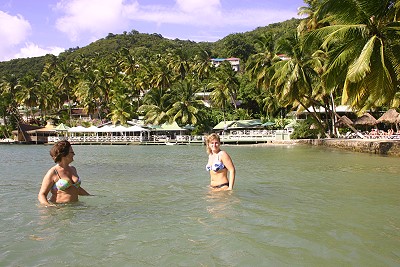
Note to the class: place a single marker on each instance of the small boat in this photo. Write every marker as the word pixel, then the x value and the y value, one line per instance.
pixel 170 144
pixel 7 141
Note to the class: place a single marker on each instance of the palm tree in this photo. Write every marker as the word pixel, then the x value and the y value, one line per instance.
pixel 10 86
pixel 260 63
pixel 311 22
pixel 47 99
pixel 224 86
pixel 88 91
pixel 294 78
pixel 27 95
pixel 127 62
pixel 65 80
pixel 202 67
pixel 162 75
pixel 104 80
pixel 179 63
pixel 186 109
pixel 364 49
pixel 50 65
pixel 270 104
pixel 159 77
pixel 119 108
pixel 156 104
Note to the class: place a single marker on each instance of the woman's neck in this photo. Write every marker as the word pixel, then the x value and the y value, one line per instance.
pixel 62 165
pixel 215 152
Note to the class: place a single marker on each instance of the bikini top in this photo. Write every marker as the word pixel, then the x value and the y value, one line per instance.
pixel 63 184
pixel 216 166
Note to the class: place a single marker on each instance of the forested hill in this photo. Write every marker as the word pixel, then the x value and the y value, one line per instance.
pixel 240 45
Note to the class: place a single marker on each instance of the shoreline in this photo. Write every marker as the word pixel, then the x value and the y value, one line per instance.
pixel 384 147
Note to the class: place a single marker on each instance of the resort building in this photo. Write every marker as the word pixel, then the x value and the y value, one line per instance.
pixel 239 131
pixel 235 62
pixel 340 110
pixel 250 131
pixel 104 134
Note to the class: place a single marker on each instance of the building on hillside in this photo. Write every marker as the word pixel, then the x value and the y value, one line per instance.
pixel 235 62
pixel 283 56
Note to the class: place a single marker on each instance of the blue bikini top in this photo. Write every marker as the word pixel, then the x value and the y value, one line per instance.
pixel 216 166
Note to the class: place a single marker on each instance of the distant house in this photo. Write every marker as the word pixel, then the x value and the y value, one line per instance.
pixel 31 134
pixel 283 56
pixel 235 62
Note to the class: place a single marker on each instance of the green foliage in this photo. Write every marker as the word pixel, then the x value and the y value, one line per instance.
pixel 23 66
pixel 304 130
pixel 236 45
pixel 5 131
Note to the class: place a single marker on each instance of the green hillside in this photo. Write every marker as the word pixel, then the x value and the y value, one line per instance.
pixel 143 45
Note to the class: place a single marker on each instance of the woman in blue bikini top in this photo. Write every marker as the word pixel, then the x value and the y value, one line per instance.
pixel 219 165
pixel 61 180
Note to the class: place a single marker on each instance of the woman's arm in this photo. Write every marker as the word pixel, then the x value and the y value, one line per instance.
pixel 47 183
pixel 226 159
pixel 81 191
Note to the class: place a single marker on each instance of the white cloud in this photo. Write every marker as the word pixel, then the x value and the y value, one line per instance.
pixel 91 20
pixel 208 13
pixel 186 12
pixel 199 6
pixel 96 18
pixel 33 50
pixel 13 31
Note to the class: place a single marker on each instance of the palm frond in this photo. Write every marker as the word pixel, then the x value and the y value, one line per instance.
pixel 361 66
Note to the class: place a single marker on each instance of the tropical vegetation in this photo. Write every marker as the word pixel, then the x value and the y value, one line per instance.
pixel 341 52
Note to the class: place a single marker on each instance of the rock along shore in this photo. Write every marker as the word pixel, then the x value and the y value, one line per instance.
pixel 381 147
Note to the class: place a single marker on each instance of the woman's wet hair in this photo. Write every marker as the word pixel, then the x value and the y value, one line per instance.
pixel 209 138
pixel 59 150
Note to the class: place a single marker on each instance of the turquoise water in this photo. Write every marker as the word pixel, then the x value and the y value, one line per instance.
pixel 291 206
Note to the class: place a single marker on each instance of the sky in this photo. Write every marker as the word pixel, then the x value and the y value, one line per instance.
pixel 31 28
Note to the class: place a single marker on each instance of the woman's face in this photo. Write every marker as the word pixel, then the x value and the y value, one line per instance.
pixel 214 145
pixel 71 154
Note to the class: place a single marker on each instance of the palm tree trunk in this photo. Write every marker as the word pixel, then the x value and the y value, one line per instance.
pixel 314 115
pixel 334 128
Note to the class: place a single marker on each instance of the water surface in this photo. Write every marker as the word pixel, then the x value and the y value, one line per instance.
pixel 291 206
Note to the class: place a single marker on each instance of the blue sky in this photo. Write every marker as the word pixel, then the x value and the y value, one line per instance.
pixel 30 28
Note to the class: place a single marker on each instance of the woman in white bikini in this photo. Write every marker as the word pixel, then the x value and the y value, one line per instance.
pixel 219 165
pixel 61 180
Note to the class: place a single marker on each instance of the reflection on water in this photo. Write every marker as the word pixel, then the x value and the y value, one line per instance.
pixel 291 206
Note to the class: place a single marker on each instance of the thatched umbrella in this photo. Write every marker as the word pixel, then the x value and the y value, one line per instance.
pixel 344 121
pixel 61 128
pixel 390 116
pixel 366 119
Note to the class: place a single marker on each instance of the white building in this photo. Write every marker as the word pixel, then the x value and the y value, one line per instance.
pixel 235 62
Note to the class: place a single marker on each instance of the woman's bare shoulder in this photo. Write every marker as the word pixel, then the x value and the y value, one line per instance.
pixel 224 154
pixel 51 170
